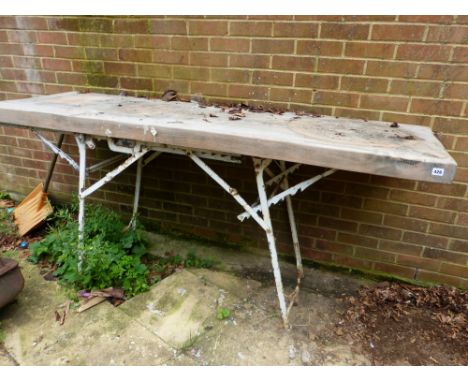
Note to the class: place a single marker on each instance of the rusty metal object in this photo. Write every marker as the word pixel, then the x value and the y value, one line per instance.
pixel 11 281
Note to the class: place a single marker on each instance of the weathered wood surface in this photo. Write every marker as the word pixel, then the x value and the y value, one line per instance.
pixel 407 151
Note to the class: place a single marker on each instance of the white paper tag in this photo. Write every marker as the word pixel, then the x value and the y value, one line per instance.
pixel 437 171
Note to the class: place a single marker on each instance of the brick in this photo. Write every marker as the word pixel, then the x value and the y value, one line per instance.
pixel 319 47
pixel 456 91
pixel 459 245
pixel 296 63
pixel 153 70
pixel 455 270
pixel 353 262
pixel 407 272
pixel 340 66
pixel 168 57
pixel 340 225
pixel 56 64
pixel 6 62
pixel 384 206
pixel 16 49
pixel 88 66
pixel 63 23
pixel 423 52
pixel 451 125
pixel 413 197
pixel 439 278
pixel 369 50
pixel 272 46
pixel 291 29
pixel 449 230
pixel 116 41
pixel 341 199
pixel 374 18
pixel 462 143
pixel 119 68
pixel 361 216
pixel 84 39
pixel 384 102
pixel 437 107
pixel 329 246
pixel 416 88
pixel 418 262
pixel 189 43
pixel 107 54
pixel 69 52
pixel 336 98
pixel 391 69
pixel 57 38
pixel 210 28
pixel 364 84
pixel 272 78
pixel 380 232
pixel 20 36
pixel 208 59
pixel 249 61
pixel 138 55
pixel 230 75
pixel 398 32
pixel 181 86
pixel 291 95
pixel 400 248
pixel 426 240
pixel 72 78
pixel 426 19
pixel 362 241
pixel 138 26
pixel 406 223
pixel 31 22
pixel 93 24
pixel 230 44
pixel 444 255
pixel 340 31
pixel 432 214
pixel 357 114
pixel 442 72
pixel 191 73
pixel 460 54
pixel 454 189
pixel 152 42
pixel 209 89
pixel 104 81
pixel 374 255
pixel 319 81
pixel 445 34
pixel 461 158
pixel 168 27
pixel 251 28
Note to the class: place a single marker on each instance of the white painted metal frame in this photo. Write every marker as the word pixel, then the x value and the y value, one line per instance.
pixel 259 211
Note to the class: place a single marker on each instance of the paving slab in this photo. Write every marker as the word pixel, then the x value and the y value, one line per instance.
pixel 176 309
pixel 103 335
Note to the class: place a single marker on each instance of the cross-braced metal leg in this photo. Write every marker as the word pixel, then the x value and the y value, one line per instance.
pixel 260 165
pixel 80 141
pixel 136 197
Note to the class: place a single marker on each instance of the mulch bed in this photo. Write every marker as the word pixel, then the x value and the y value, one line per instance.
pixel 404 324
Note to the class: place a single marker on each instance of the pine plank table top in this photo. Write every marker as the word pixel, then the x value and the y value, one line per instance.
pixel 406 151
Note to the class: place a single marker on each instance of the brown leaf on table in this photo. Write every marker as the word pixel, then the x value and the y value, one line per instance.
pixel 169 95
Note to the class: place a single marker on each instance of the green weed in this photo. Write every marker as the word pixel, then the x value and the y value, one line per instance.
pixel 112 255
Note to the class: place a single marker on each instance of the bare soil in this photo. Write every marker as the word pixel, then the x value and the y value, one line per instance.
pixel 400 324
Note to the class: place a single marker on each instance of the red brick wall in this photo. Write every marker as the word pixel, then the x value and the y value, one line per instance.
pixel 394 68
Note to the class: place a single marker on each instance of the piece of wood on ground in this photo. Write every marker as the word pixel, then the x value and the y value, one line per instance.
pixel 32 211
pixel 93 301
